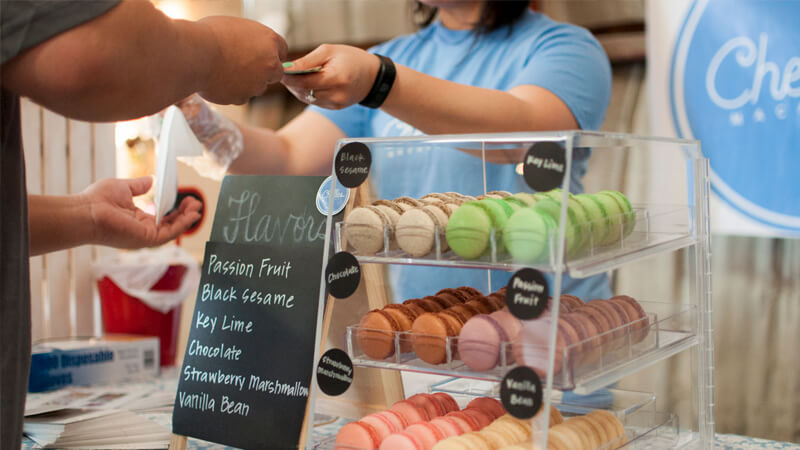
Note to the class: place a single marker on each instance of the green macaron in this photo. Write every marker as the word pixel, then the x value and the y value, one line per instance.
pixel 527 235
pixel 630 214
pixel 468 230
pixel 597 218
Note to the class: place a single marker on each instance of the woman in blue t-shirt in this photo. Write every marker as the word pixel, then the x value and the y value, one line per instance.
pixel 480 67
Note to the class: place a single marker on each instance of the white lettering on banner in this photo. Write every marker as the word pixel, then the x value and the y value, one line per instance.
pixel 344 273
pixel 245 225
pixel 230 407
pixel 199 401
pixel 780 85
pixel 213 377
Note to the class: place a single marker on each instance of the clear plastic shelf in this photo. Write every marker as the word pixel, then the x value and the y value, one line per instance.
pixel 586 366
pixel 657 229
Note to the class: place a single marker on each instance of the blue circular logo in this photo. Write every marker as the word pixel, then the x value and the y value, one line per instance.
pixel 735 86
pixel 341 195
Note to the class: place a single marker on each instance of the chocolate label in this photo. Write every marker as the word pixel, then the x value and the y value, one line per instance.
pixel 352 164
pixel 544 166
pixel 334 372
pixel 342 275
pixel 521 392
pixel 527 293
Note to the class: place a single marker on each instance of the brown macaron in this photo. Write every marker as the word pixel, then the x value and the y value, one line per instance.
pixel 376 334
pixel 466 310
pixel 611 314
pixel 573 302
pixel 444 301
pixel 404 318
pixel 641 323
pixel 450 296
pixel 480 303
pixel 429 337
pixel 471 291
pixel 599 320
pixel 463 296
pixel 426 304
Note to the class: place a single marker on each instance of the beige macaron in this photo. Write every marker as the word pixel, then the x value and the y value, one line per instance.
pixel 364 229
pixel 417 228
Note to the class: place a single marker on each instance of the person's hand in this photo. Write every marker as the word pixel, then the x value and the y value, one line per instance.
pixel 249 59
pixel 117 222
pixel 347 76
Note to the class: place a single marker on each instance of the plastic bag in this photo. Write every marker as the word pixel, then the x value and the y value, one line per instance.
pixel 137 271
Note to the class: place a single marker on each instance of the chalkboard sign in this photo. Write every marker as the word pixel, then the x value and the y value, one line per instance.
pixel 246 375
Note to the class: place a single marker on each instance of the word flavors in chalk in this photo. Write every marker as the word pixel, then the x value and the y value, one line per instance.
pixel 242 269
pixel 202 401
pixel 221 351
pixel 524 385
pixel 213 377
pixel 211 293
pixel 544 163
pixel 333 276
pixel 519 283
pixel 244 224
pixel 229 323
pixel 276 387
pixel 338 365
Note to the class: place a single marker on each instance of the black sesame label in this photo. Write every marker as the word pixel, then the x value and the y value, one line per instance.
pixel 342 275
pixel 334 372
pixel 544 166
pixel 352 164
pixel 521 392
pixel 526 294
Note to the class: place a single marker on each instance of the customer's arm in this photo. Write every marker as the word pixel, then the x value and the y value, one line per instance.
pixel 133 61
pixel 430 104
pixel 103 214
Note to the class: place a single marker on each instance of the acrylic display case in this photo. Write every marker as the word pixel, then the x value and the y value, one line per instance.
pixel 566 250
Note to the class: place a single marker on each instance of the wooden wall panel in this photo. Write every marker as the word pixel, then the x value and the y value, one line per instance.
pixel 32 142
pixel 58 313
pixel 81 174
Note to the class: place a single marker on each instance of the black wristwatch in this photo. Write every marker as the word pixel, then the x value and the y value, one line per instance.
pixel 382 85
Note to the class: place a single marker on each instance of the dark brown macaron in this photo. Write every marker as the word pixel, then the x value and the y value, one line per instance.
pixel 404 318
pixel 571 300
pixel 497 303
pixel 641 323
pixel 426 304
pixel 443 301
pixel 466 310
pixel 376 334
pixel 455 299
pixel 599 320
pixel 611 314
pixel 480 303
pixel 471 291
pixel 412 311
pixel 460 316
pixel 429 337
pixel 461 295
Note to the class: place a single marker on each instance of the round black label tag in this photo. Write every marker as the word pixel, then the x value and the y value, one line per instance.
pixel 342 275
pixel 544 166
pixel 352 164
pixel 527 293
pixel 521 392
pixel 334 372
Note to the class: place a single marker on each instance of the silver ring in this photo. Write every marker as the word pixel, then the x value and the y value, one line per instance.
pixel 310 96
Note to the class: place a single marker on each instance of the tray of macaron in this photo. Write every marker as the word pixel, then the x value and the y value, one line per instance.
pixel 504 230
pixel 461 332
pixel 437 421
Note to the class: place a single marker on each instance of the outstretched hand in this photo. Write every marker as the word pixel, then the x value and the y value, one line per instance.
pixel 117 222
pixel 347 76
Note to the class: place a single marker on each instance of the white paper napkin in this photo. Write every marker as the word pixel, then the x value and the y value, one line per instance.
pixel 176 140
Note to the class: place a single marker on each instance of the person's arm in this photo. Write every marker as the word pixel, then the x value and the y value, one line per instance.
pixel 103 214
pixel 304 146
pixel 432 105
pixel 133 60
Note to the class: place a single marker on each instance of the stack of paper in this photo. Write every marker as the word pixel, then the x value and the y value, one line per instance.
pixel 97 418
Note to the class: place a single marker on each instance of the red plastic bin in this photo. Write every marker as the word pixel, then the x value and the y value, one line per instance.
pixel 125 314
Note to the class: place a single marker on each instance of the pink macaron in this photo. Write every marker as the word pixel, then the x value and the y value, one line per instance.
pixel 381 424
pixel 401 441
pixel 489 405
pixel 465 421
pixel 426 433
pixel 447 401
pixel 357 435
pixel 479 342
pixel 429 404
pixel 398 421
pixel 410 412
pixel 448 426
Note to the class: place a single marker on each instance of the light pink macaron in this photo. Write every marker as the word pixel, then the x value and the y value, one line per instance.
pixel 479 342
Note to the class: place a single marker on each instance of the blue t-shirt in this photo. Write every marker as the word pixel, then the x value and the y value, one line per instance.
pixel 562 58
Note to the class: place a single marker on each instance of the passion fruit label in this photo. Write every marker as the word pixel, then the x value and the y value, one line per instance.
pixel 527 293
